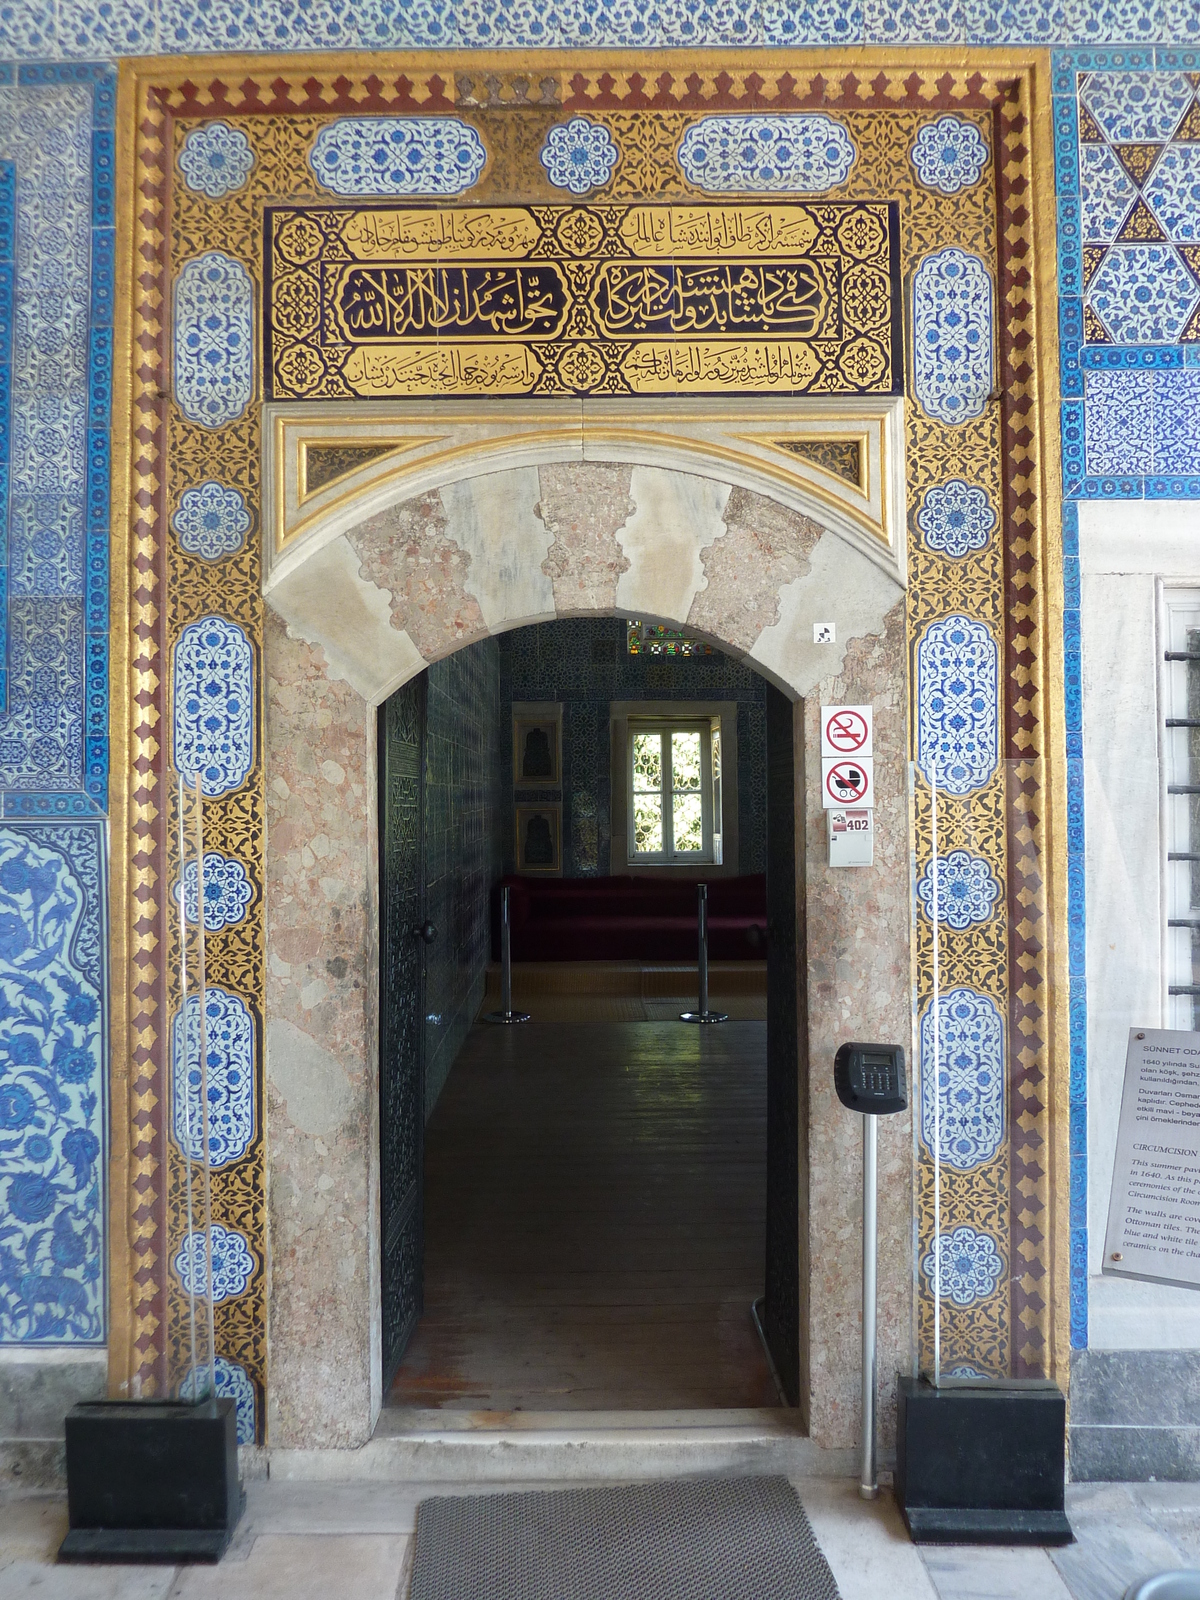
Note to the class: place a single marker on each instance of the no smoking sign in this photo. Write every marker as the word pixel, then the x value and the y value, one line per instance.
pixel 845 731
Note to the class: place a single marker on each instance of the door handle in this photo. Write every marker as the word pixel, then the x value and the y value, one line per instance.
pixel 427 931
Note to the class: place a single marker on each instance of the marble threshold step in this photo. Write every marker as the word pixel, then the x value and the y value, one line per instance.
pixel 592 1446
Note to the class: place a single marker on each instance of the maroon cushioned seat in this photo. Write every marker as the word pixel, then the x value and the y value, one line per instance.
pixel 631 919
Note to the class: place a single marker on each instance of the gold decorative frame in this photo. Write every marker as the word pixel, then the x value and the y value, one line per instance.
pixel 645 99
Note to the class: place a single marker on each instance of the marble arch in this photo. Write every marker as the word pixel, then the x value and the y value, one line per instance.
pixel 371 600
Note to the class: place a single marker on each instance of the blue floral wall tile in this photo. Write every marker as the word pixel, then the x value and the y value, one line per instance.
pixel 211 520
pixel 962 1082
pixel 28 28
pixel 952 335
pixel 233 1263
pixel 968 1264
pixel 1173 192
pixel 949 155
pixel 227 891
pixel 1177 422
pixel 794 154
pixel 397 156
pixel 1143 294
pixel 958 732
pixel 914 21
pixel 229 1077
pixel 1106 192
pixel 216 160
pixel 213 684
pixel 99 29
pixel 579 155
pixel 1119 422
pixel 53 1056
pixel 1137 107
pixel 214 339
pixel 956 517
pixel 234 1383
pixel 785 22
pixel 966 889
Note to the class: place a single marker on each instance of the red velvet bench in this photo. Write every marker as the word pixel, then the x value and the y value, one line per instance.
pixel 631 919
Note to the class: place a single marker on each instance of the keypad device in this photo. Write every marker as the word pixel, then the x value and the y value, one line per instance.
pixel 869 1078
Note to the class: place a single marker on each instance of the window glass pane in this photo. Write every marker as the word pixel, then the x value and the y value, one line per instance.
pixel 647 761
pixel 716 752
pixel 647 823
pixel 685 761
pixel 689 825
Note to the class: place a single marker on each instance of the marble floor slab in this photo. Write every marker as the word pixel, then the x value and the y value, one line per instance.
pixel 323 1541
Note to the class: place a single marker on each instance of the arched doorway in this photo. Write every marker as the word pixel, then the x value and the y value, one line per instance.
pixel 373 601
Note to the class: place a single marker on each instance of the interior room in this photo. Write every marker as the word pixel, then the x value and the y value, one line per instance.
pixel 590 1232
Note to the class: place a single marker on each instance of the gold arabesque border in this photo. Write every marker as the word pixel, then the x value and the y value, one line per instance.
pixel 135 75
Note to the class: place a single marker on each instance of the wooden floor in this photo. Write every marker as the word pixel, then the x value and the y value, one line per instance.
pixel 594 1221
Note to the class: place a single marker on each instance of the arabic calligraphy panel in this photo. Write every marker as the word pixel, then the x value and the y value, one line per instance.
pixel 570 299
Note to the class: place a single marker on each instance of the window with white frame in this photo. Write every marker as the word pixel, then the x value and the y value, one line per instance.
pixel 1181 773
pixel 674 790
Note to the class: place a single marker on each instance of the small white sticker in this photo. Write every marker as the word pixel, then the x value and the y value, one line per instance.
pixel 824 633
pixel 851 838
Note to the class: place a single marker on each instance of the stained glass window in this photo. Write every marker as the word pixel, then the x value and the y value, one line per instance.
pixel 656 639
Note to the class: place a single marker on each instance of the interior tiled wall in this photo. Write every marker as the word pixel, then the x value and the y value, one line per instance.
pixel 464 769
pixel 584 663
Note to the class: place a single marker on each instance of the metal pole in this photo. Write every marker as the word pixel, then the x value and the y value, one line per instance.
pixel 868 1486
pixel 505 955
pixel 506 1012
pixel 702 918
pixel 704 1014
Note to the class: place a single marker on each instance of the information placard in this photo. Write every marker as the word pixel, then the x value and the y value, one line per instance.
pixel 1154 1211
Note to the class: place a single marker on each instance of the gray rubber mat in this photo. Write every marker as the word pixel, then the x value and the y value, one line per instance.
pixel 697 1539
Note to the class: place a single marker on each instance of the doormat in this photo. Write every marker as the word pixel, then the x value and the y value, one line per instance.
pixel 697 1539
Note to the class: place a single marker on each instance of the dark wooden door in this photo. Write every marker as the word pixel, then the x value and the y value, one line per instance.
pixel 781 1304
pixel 402 1014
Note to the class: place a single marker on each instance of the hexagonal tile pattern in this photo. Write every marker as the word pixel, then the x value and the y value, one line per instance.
pixel 1137 107
pixel 1173 192
pixel 1106 192
pixel 1143 294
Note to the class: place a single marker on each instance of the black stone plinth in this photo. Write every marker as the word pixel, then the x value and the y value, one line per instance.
pixel 982 1464
pixel 151 1481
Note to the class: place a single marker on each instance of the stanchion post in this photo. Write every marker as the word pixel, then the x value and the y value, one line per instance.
pixel 506 1012
pixel 868 1482
pixel 869 1079
pixel 703 1014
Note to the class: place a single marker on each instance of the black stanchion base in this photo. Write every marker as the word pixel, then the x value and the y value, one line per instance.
pixel 507 1016
pixel 703 1016
pixel 151 1480
pixel 982 1464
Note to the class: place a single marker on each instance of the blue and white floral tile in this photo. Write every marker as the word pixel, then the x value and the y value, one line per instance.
pixel 366 156
pixel 104 28
pixel 233 1263
pixel 962 1082
pixel 212 732
pixel 52 1084
pixel 806 154
pixel 27 28
pixel 1106 193
pixel 1143 294
pixel 579 155
pixel 914 21
pixel 1177 422
pixel 213 312
pixel 234 1383
pixel 785 22
pixel 1137 107
pixel 216 160
pixel 965 1263
pixel 1119 422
